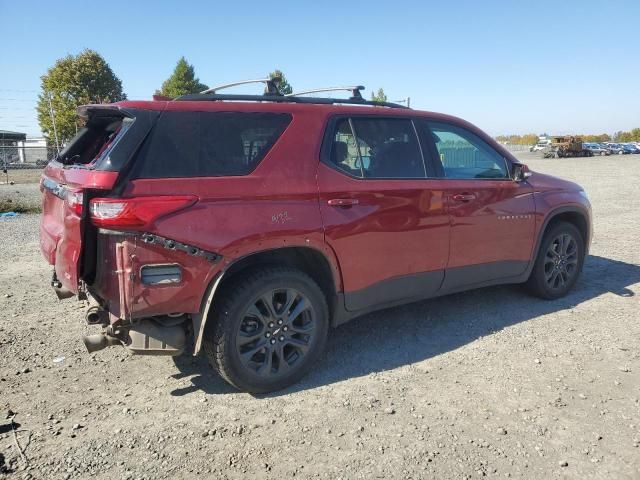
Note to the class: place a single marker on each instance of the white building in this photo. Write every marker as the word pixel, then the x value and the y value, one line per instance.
pixel 31 150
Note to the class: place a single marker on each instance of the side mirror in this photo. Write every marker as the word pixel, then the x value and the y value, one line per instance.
pixel 520 172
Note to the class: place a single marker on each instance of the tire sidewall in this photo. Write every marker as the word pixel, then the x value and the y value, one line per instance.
pixel 538 271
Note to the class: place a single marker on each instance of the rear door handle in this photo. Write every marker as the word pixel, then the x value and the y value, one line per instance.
pixel 343 202
pixel 464 197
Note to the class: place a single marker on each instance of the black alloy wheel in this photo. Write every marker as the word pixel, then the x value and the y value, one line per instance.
pixel 268 328
pixel 558 263
pixel 561 261
pixel 276 332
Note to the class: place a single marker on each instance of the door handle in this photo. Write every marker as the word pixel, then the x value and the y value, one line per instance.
pixel 464 197
pixel 343 202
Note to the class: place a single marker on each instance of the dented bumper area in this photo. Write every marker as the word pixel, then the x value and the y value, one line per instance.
pixel 147 291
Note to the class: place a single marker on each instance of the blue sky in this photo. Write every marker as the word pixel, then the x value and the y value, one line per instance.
pixel 509 67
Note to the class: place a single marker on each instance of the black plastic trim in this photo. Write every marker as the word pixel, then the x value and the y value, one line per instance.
pixel 554 213
pixel 407 286
pixel 171 244
pixel 418 287
pixel 475 274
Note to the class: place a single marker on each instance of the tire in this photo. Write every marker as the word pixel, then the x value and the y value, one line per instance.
pixel 261 347
pixel 559 262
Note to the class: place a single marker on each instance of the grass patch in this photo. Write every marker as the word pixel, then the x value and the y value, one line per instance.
pixel 9 205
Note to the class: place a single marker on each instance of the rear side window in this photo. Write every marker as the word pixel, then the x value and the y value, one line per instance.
pixel 377 148
pixel 208 144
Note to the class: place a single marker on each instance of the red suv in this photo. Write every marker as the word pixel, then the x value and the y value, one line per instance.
pixel 251 224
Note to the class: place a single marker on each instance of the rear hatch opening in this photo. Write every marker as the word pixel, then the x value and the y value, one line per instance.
pixel 95 139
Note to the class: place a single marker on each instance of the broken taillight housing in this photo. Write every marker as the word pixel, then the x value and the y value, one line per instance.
pixel 136 212
pixel 74 200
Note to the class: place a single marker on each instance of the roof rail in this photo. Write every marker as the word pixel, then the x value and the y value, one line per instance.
pixel 355 91
pixel 212 97
pixel 271 86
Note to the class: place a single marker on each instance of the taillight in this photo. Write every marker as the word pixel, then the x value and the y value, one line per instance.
pixel 135 212
pixel 74 199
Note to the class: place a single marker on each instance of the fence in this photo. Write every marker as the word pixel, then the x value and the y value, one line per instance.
pixel 516 148
pixel 12 156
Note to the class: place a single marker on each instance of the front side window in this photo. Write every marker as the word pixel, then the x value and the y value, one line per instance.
pixel 203 144
pixel 464 155
pixel 377 148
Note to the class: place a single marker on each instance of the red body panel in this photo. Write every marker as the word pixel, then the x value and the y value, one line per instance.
pixel 496 225
pixel 398 227
pixel 61 228
pixel 387 228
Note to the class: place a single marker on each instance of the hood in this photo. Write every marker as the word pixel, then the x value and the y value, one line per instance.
pixel 544 183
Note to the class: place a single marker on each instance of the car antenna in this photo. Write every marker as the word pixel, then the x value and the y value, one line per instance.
pixel 271 86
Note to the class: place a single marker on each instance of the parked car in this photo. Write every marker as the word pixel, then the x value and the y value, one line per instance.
pixel 615 148
pixel 630 148
pixel 596 149
pixel 254 223
pixel 539 146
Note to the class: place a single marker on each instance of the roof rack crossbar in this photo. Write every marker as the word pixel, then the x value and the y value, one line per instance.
pixel 271 86
pixel 354 89
pixel 283 99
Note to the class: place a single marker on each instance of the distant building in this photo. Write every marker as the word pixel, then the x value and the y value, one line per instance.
pixel 33 150
pixel 9 146
pixel 15 147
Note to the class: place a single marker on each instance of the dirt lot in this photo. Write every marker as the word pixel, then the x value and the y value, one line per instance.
pixel 488 383
pixel 27 175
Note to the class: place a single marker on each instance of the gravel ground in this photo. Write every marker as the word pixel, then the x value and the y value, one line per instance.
pixel 26 196
pixel 22 175
pixel 486 383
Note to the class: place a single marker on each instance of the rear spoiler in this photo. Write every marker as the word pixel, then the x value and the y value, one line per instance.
pixel 103 110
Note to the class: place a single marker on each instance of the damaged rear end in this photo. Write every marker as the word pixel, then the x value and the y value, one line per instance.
pixel 104 244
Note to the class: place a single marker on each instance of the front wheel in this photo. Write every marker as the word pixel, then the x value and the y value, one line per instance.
pixel 559 262
pixel 268 329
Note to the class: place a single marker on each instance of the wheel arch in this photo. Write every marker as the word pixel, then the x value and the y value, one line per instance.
pixel 575 215
pixel 323 270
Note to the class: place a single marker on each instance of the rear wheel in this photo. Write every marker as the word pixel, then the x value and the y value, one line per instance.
pixel 559 262
pixel 268 329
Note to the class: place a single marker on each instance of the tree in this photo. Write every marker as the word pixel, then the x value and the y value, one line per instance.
pixel 379 96
pixel 632 136
pixel 529 139
pixel 625 137
pixel 603 137
pixel 182 81
pixel 284 86
pixel 71 82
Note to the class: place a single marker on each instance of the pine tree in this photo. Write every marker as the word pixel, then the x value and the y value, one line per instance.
pixel 182 81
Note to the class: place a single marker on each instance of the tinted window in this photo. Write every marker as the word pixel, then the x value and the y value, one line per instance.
pixel 377 148
pixel 464 155
pixel 202 144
